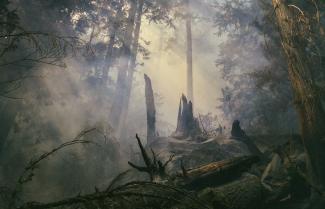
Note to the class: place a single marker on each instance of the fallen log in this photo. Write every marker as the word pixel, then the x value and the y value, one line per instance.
pixel 210 181
pixel 212 174
pixel 220 185
pixel 216 173
pixel 244 193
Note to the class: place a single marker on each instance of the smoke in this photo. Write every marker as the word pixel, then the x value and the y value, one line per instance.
pixel 62 102
pixel 167 65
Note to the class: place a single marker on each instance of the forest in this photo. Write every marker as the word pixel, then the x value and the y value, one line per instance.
pixel 162 104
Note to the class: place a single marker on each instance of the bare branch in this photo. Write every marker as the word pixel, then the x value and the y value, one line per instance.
pixel 28 173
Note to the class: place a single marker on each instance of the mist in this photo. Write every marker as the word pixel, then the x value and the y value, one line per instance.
pixel 77 73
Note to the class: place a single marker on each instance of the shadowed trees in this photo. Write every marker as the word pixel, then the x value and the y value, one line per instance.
pixel 24 49
pixel 300 26
pixel 251 61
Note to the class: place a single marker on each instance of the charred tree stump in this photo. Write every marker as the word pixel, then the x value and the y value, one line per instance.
pixel 244 193
pixel 151 110
pixel 187 125
pixel 239 134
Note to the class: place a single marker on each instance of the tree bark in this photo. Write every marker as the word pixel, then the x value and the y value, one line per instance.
pixel 132 64
pixel 121 84
pixel 297 29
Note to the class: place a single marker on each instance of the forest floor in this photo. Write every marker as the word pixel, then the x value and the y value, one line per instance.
pixel 216 172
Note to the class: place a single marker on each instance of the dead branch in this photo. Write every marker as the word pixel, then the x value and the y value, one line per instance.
pixel 204 130
pixel 43 47
pixel 28 172
pixel 154 167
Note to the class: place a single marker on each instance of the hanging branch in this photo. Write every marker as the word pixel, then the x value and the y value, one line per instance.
pixel 43 47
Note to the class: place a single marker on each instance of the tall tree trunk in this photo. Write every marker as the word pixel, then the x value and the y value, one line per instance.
pixel 297 29
pixel 132 65
pixel 108 59
pixel 151 110
pixel 121 84
pixel 109 53
pixel 189 52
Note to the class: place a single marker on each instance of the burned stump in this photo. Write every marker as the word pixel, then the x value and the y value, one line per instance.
pixel 187 125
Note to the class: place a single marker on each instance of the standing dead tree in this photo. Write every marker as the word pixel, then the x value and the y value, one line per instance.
pixel 151 110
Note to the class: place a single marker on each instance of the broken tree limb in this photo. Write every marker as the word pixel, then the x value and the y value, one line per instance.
pixel 151 110
pixel 154 167
pixel 144 154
